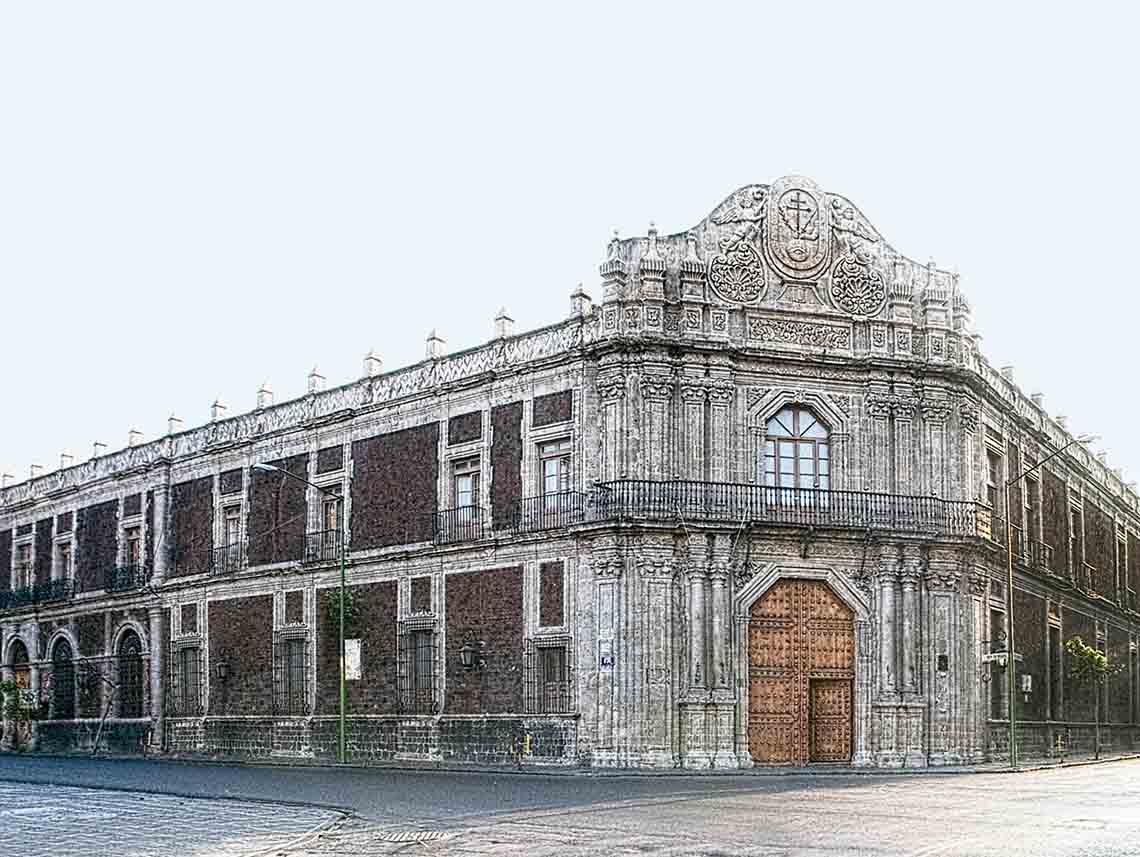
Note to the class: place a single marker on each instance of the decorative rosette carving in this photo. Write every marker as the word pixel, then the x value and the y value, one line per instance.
pixel 857 288
pixel 737 273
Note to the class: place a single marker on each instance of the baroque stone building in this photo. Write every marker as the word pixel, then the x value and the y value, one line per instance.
pixel 745 511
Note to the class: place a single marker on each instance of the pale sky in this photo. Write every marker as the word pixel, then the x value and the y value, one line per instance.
pixel 196 198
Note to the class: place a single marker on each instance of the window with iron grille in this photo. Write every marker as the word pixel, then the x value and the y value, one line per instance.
pixel 186 681
pixel 290 668
pixel 63 682
pixel 547 680
pixel 131 677
pixel 416 674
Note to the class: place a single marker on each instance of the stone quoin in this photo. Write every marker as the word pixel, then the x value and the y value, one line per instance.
pixel 747 509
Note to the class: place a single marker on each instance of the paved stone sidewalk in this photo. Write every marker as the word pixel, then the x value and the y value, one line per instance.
pixel 51 820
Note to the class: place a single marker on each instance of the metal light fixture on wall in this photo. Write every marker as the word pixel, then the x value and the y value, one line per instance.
pixel 222 669
pixel 471 655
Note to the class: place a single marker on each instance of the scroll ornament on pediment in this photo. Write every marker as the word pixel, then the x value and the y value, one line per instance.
pixel 737 272
pixel 856 287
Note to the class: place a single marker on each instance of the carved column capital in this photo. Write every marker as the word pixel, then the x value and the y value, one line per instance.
pixel 656 388
pixel 936 411
pixel 878 407
pixel 609 568
pixel 979 582
pixel 721 394
pixel 693 393
pixel 611 388
pixel 968 416
pixel 719 573
pixel 903 407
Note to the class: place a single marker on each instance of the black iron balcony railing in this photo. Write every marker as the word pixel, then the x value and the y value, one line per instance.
pixel 124 578
pixel 43 593
pixel 227 559
pixel 463 524
pixel 551 511
pixel 322 546
pixel 685 500
pixel 1040 555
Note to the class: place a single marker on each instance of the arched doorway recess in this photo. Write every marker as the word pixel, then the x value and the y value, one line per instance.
pixel 801 664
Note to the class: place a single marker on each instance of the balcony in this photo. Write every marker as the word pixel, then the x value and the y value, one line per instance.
pixel 679 501
pixel 322 546
pixel 463 524
pixel 125 578
pixel 54 591
pixel 551 511
pixel 227 559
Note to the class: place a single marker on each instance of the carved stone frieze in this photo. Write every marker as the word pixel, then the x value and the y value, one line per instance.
pixel 787 331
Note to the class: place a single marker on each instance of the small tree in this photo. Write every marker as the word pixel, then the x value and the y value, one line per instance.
pixel 1090 666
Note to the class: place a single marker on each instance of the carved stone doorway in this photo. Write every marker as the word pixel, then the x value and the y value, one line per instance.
pixel 801 683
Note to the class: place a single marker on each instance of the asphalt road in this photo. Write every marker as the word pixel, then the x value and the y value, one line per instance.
pixel 1090 811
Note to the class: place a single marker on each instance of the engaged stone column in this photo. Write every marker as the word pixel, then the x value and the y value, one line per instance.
pixel 160 547
pixel 35 688
pixel 888 655
pixel 910 574
pixel 720 429
pixel 656 395
pixel 611 395
pixel 154 616
pixel 698 673
pixel 8 737
pixel 718 576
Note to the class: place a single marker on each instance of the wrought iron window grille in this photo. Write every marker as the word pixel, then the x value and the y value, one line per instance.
pixel 548 675
pixel 416 666
pixel 291 659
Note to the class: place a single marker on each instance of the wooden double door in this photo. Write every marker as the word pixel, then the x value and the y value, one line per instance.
pixel 801 653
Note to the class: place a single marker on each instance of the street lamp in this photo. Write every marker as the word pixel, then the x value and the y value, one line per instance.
pixel 270 468
pixel 1011 666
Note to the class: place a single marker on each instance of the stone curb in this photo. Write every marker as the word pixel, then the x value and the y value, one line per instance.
pixel 573 771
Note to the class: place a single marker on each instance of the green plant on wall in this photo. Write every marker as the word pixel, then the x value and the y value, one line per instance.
pixel 351 612
pixel 1090 667
pixel 14 706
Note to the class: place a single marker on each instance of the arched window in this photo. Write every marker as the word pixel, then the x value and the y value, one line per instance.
pixel 796 451
pixel 130 676
pixel 62 682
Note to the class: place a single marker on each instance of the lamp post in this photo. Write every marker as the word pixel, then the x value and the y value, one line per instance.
pixel 1010 665
pixel 270 468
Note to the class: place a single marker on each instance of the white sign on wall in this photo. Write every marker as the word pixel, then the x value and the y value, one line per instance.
pixel 352 660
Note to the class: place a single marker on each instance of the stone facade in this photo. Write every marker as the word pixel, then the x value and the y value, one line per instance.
pixel 748 510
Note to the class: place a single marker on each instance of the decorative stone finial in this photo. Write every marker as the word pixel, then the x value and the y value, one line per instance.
pixel 1102 456
pixel 1062 421
pixel 217 410
pixel 173 424
pixel 435 345
pixel 1038 399
pixel 66 459
pixel 504 324
pixel 264 396
pixel 1007 373
pixel 580 303
pixel 316 381
pixel 5 478
pixel 98 448
pixel 373 365
pixel 134 437
pixel 35 470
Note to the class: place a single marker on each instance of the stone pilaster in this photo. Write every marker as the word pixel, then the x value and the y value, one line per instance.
pixel 977 619
pixel 695 733
pixel 935 412
pixel 7 739
pixel 157 661
pixel 611 394
pixel 693 398
pixel 720 398
pixel 967 444
pixel 722 714
pixel 903 409
pixel 877 445
pixel 656 398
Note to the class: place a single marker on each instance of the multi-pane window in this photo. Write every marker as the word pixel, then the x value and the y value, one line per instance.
pixel 554 466
pixel 993 478
pixel 422 669
pixel 23 567
pixel 132 542
pixel 63 561
pixel 332 508
pixel 465 483
pixel 796 452
pixel 293 675
pixel 1032 509
pixel 187 698
pixel 231 525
